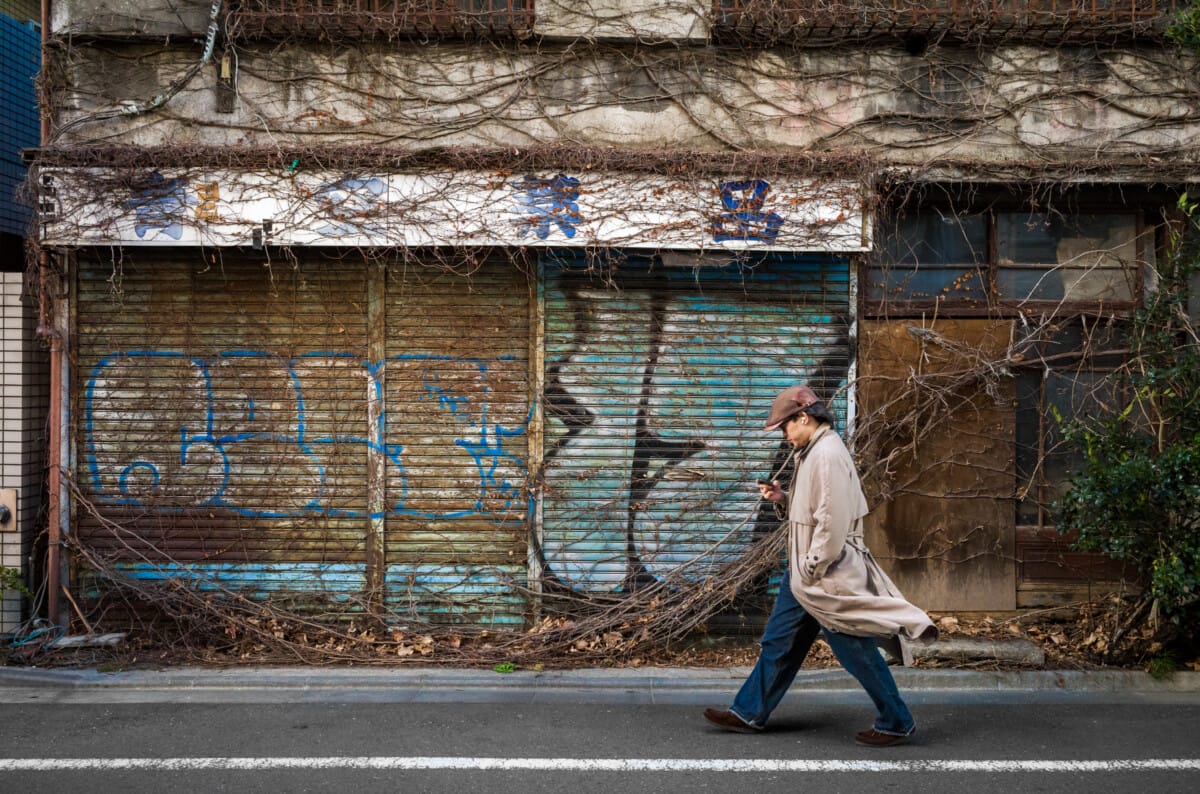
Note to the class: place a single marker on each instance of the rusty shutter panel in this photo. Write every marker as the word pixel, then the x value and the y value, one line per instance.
pixel 658 380
pixel 457 396
pixel 222 418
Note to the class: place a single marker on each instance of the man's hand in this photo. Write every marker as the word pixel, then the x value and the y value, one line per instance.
pixel 770 490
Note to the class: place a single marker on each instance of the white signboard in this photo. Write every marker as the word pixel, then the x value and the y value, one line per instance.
pixel 463 208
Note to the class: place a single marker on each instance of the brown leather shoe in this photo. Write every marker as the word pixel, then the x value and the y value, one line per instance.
pixel 728 721
pixel 873 738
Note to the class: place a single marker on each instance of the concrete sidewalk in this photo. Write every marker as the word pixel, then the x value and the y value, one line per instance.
pixel 655 683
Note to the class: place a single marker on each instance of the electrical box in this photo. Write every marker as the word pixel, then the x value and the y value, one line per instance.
pixel 8 509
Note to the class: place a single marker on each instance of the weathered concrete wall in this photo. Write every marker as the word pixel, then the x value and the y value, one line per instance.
pixel 130 17
pixel 996 107
pixel 626 20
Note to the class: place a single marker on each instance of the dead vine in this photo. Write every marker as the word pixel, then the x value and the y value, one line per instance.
pixel 207 619
pixel 348 96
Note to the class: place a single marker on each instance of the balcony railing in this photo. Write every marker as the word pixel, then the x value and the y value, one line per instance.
pixel 356 19
pixel 1038 20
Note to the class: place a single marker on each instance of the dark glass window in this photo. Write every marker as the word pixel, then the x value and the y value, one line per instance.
pixel 1075 383
pixel 932 256
pixel 1079 258
pixel 936 258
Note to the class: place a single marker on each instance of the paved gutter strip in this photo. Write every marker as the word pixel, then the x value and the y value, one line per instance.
pixel 663 680
pixel 475 763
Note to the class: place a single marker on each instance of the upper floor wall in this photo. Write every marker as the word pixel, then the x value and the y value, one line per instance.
pixel 757 21
pixel 631 74
pixel 643 20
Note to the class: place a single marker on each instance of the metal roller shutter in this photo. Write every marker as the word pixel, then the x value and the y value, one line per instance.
pixel 321 427
pixel 221 409
pixel 458 410
pixel 657 381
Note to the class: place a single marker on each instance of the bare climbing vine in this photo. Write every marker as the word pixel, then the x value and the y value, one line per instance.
pixel 771 93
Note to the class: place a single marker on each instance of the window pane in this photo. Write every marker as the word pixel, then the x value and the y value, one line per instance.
pixel 1080 390
pixel 1080 258
pixel 1101 343
pixel 1029 409
pixel 1072 395
pixel 1029 284
pixel 936 238
pixel 926 283
pixel 930 255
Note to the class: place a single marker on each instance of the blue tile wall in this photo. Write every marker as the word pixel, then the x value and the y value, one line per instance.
pixel 19 62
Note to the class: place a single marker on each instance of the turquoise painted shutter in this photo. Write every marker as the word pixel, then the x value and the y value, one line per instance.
pixel 657 383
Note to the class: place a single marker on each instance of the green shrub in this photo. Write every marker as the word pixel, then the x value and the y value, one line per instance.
pixel 1137 498
pixel 10 579
pixel 1184 30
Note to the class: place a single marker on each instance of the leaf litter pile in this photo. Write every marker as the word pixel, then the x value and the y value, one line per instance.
pixel 1087 636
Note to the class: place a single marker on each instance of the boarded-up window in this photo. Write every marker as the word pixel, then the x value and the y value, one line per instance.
pixel 1066 272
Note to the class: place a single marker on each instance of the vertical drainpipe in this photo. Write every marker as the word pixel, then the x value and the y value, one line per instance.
pixel 852 369
pixel 536 433
pixel 49 329
pixel 856 261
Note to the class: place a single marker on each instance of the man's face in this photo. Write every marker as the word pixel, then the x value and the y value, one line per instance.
pixel 798 430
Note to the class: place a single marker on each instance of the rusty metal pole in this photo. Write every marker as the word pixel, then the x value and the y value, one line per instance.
pixel 47 330
pixel 376 539
pixel 533 266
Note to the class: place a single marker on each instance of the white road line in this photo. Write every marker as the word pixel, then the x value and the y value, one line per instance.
pixel 587 764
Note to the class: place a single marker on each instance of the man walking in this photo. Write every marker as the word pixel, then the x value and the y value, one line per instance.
pixel 832 584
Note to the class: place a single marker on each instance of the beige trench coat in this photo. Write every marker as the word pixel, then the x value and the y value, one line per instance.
pixel 833 575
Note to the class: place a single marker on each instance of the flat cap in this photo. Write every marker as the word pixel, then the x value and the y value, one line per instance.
pixel 790 402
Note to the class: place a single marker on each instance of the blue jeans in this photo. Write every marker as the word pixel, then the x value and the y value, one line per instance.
pixel 789 635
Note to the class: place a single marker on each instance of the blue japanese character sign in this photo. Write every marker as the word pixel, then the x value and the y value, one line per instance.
pixel 548 203
pixel 160 205
pixel 351 206
pixel 744 218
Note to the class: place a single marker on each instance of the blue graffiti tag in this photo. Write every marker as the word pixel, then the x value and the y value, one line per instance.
pixel 744 218
pixel 548 202
pixel 445 396
pixel 219 435
pixel 160 205
pixel 489 455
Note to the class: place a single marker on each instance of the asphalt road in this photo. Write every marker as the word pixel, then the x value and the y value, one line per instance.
pixel 362 740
